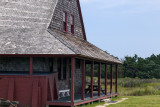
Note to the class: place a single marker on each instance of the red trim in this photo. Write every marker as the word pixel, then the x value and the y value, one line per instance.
pixel 31 66
pixel 11 89
pixel 22 76
pixel 105 79
pixel 72 78
pixel 111 82
pixel 116 82
pixel 92 72
pixel 99 80
pixel 81 18
pixel 83 79
pixel 97 60
pixel 38 55
pixel 59 55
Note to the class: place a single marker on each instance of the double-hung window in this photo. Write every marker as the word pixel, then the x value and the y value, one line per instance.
pixel 64 21
pixel 72 24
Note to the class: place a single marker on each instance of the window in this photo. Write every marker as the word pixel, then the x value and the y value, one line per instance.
pixel 64 21
pixel 72 24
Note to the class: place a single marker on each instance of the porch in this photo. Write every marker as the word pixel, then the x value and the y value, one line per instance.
pixel 71 71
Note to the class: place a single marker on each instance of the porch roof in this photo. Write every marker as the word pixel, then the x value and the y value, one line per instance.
pixel 28 41
pixel 84 48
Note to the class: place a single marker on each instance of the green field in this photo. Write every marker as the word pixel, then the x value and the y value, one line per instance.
pixel 134 101
pixel 139 101
pixel 140 93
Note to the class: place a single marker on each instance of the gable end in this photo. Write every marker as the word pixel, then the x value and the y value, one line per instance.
pixel 72 8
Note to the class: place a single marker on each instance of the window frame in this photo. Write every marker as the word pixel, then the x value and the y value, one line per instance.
pixel 65 22
pixel 72 24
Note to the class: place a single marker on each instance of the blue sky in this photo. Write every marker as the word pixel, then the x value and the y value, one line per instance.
pixel 123 27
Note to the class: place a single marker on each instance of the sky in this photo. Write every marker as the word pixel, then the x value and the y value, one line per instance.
pixel 123 27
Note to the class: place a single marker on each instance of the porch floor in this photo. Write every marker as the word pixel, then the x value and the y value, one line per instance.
pixel 77 97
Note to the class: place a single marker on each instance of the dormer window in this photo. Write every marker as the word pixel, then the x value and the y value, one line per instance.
pixel 64 21
pixel 72 24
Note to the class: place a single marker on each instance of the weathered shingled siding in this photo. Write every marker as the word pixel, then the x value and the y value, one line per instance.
pixel 8 64
pixel 22 65
pixel 69 6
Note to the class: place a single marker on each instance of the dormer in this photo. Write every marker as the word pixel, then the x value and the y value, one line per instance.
pixel 67 19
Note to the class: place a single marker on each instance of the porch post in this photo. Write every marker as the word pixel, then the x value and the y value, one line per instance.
pixel 31 66
pixel 72 78
pixel 99 80
pixel 83 79
pixel 105 79
pixel 116 82
pixel 92 72
pixel 111 81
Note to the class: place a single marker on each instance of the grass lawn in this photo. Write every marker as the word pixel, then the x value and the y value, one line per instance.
pixel 133 101
pixel 139 101
pixel 140 93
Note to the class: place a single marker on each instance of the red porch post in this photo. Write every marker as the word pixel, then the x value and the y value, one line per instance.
pixel 31 66
pixel 99 80
pixel 111 82
pixel 116 82
pixel 72 78
pixel 83 79
pixel 92 71
pixel 105 79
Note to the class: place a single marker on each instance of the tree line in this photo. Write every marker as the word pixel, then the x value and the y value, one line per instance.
pixel 137 67
pixel 133 67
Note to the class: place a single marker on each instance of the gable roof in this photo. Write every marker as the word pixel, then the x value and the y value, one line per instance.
pixel 24 25
pixel 26 13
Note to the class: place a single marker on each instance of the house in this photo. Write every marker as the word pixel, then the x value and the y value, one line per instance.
pixel 44 52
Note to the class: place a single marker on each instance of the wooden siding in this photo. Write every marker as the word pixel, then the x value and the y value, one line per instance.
pixel 69 6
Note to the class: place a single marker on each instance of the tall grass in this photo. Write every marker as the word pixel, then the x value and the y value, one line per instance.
pixel 139 87
pixel 130 82
pixel 133 87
